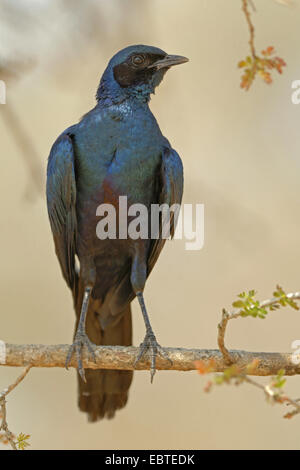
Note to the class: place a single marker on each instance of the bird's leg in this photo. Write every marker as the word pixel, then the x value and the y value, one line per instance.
pixel 81 339
pixel 150 343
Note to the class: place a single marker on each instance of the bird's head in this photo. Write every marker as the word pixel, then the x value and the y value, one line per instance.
pixel 135 72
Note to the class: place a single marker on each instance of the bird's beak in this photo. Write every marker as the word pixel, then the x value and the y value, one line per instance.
pixel 169 61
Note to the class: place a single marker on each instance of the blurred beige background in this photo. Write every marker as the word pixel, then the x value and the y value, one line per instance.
pixel 241 154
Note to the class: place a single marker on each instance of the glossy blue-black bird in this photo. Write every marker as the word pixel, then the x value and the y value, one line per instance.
pixel 117 149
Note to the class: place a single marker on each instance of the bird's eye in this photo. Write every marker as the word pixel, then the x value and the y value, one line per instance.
pixel 138 59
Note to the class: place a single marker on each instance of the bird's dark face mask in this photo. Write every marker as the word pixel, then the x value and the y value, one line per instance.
pixel 145 70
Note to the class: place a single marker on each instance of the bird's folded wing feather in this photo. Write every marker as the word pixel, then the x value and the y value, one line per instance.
pixel 171 189
pixel 61 200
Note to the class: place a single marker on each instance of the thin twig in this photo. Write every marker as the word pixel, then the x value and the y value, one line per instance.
pixel 4 426
pixel 274 396
pixel 19 379
pixel 294 403
pixel 250 26
pixel 226 316
pixel 221 336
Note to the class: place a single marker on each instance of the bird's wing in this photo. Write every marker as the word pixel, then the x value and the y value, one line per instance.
pixel 61 200
pixel 171 188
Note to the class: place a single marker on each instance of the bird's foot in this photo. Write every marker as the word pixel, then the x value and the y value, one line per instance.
pixel 79 342
pixel 150 344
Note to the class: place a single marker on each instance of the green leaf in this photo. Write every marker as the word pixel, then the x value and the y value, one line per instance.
pixel 22 441
pixel 238 304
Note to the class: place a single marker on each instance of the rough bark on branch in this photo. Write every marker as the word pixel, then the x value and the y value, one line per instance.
pixel 122 358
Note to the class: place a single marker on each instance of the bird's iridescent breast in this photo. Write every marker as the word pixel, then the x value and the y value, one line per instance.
pixel 118 153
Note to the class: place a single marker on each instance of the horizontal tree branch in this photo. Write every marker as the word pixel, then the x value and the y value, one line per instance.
pixel 122 358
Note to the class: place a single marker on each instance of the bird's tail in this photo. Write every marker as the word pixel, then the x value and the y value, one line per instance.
pixel 105 391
